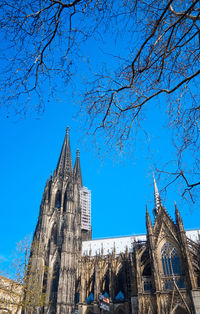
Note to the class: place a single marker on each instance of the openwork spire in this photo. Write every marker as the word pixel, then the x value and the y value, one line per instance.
pixel 64 167
pixel 77 169
pixel 157 198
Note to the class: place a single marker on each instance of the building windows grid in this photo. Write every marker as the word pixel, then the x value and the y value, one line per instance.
pixel 85 203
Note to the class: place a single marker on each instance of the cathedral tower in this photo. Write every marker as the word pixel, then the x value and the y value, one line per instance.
pixel 57 241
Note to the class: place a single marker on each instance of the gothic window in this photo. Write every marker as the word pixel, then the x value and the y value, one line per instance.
pixel 119 286
pixel 58 199
pixel 105 285
pixel 170 260
pixel 171 267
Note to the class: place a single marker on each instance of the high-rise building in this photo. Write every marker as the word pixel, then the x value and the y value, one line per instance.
pixel 85 203
pixel 154 273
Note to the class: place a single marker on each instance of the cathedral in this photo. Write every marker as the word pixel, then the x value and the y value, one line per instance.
pixel 158 272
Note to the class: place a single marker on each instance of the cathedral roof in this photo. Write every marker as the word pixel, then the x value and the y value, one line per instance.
pixel 120 244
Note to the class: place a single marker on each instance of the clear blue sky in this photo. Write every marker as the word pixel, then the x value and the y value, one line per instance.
pixel 121 185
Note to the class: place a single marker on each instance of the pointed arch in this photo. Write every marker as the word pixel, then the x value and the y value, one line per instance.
pixel 119 290
pixel 58 199
pixel 105 283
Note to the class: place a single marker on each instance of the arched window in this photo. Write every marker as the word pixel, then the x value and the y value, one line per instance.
pixel 58 199
pixel 170 260
pixel 105 285
pixel 119 287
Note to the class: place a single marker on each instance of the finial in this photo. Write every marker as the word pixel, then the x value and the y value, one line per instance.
pixel 77 152
pixel 64 166
pixel 156 197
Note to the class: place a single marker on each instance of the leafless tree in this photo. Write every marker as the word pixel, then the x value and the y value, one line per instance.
pixel 165 61
pixel 40 43
pixel 158 56
pixel 22 291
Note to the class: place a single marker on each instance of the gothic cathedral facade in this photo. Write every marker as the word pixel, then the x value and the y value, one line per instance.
pixel 158 273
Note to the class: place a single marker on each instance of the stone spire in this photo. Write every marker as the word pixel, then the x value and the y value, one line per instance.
pixel 64 166
pixel 157 198
pixel 77 169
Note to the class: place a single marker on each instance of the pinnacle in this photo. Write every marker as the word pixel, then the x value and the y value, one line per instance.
pixel 157 198
pixel 77 169
pixel 64 167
